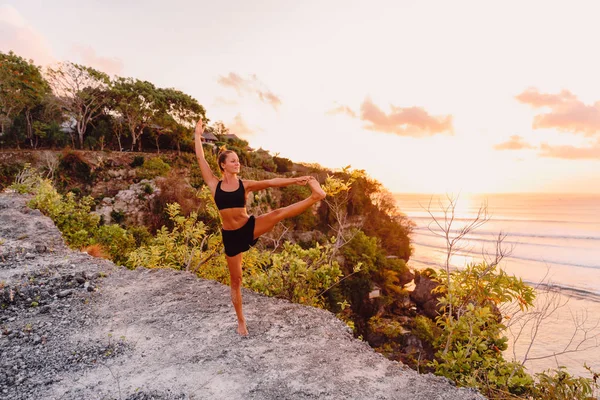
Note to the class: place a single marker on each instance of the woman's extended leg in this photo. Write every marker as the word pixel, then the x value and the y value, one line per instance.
pixel 264 223
pixel 235 275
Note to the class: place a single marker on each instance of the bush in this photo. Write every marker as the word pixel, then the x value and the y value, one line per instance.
pixel 298 275
pixel 283 164
pixel 152 168
pixel 72 217
pixel 470 346
pixel 73 166
pixel 138 161
pixel 189 245
pixel 117 216
pixel 27 180
pixel 116 240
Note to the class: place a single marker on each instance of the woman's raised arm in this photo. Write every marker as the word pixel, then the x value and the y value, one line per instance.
pixel 207 174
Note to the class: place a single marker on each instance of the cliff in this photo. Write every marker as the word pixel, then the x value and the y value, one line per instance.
pixel 77 327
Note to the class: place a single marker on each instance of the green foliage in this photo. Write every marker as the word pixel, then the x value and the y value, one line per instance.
pixel 27 180
pixel 261 159
pixel 386 326
pixel 140 234
pixel 73 166
pixel 117 216
pixel 425 329
pixel 362 249
pixel 72 217
pixel 22 89
pixel 118 241
pixel 297 274
pixel 152 168
pixel 148 189
pixel 470 346
pixel 189 245
pixel 558 384
pixel 283 164
pixel 293 194
pixel 8 173
pixel 138 161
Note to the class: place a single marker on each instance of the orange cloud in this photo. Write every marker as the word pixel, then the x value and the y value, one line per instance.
pixel 252 86
pixel 536 99
pixel 18 35
pixel 239 127
pixel 567 113
pixel 112 66
pixel 412 121
pixel 571 152
pixel 515 142
pixel 342 110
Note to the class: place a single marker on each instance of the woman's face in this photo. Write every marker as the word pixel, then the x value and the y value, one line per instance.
pixel 231 164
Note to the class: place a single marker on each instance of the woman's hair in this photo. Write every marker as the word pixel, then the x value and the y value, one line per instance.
pixel 222 156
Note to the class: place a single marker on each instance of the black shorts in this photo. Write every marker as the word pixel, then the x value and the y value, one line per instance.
pixel 239 240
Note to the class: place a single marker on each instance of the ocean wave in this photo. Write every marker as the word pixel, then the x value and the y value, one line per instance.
pixel 511 256
pixel 505 241
pixel 507 219
pixel 518 234
pixel 582 293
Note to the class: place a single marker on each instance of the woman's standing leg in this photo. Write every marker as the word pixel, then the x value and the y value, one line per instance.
pixel 235 275
pixel 264 223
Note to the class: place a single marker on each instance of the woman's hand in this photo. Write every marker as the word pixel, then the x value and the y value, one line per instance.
pixel 303 180
pixel 199 127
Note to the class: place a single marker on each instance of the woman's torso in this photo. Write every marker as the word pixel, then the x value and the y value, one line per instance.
pixel 232 195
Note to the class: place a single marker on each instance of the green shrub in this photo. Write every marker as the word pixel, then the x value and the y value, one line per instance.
pixel 72 217
pixel 283 164
pixel 116 240
pixel 558 384
pixel 73 166
pixel 297 274
pixel 141 235
pixel 152 168
pixel 138 161
pixel 425 329
pixel 117 216
pixel 189 245
pixel 26 180
pixel 472 339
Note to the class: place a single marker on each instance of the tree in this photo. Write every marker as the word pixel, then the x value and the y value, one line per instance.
pixel 136 103
pixel 183 111
pixel 22 88
pixel 80 91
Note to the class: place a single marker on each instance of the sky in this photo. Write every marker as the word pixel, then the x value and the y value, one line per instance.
pixel 425 96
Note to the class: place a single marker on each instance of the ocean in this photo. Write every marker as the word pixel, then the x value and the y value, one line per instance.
pixel 550 238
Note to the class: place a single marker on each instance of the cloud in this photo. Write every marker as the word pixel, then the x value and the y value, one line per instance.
pixel 567 113
pixel 239 127
pixel 252 86
pixel 18 35
pixel 571 152
pixel 342 110
pixel 515 142
pixel 89 58
pixel 412 121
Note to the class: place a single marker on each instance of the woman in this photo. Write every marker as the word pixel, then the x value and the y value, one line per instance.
pixel 241 231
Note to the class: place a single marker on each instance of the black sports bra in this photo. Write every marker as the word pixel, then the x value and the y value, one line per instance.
pixel 235 199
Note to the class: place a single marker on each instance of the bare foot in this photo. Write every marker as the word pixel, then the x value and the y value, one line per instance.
pixel 242 329
pixel 317 192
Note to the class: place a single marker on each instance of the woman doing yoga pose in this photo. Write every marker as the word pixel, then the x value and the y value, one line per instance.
pixel 241 231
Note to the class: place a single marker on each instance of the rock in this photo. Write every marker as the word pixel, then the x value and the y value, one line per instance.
pixel 145 321
pixel 64 293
